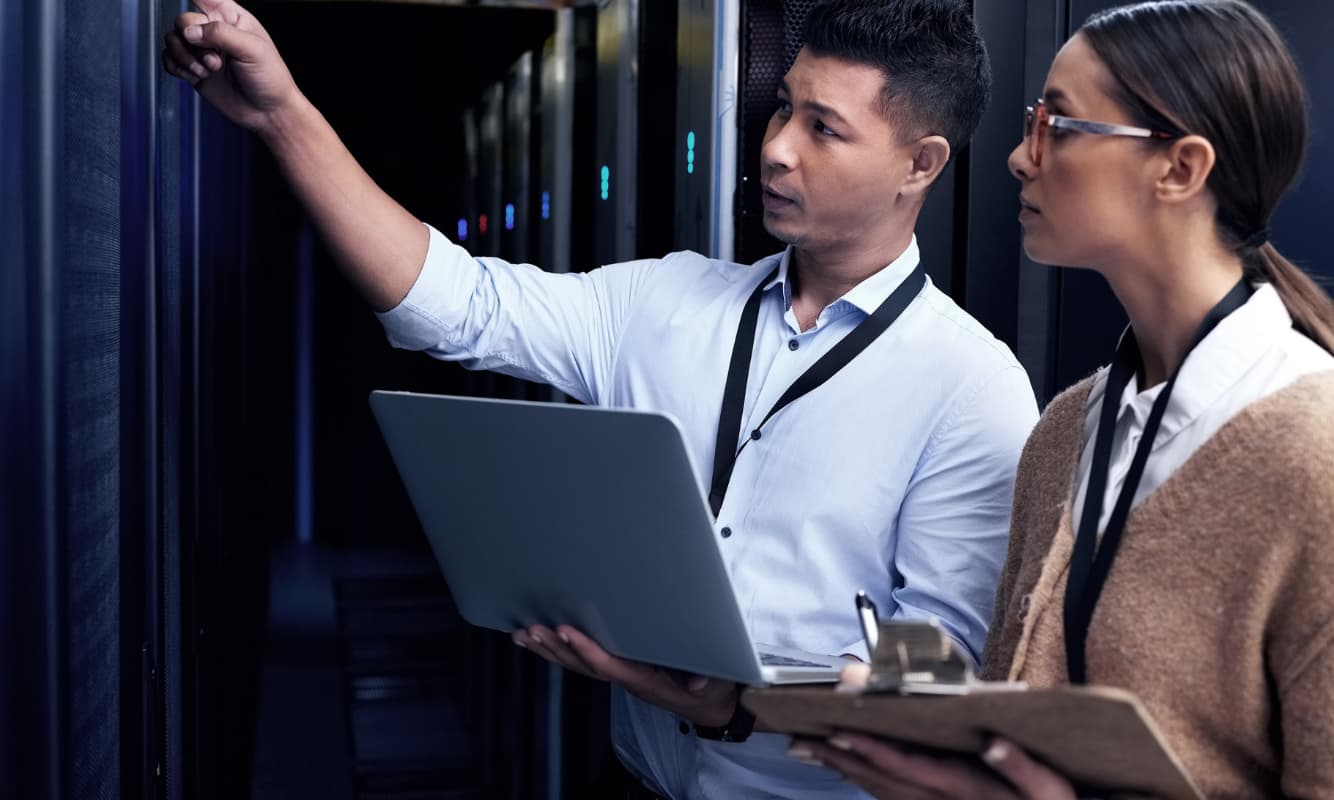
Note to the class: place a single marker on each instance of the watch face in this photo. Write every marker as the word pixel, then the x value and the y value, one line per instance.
pixel 737 729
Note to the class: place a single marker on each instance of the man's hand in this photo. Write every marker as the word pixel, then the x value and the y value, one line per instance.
pixel 887 771
pixel 229 58
pixel 704 701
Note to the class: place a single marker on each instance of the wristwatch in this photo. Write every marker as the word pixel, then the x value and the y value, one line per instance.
pixel 736 729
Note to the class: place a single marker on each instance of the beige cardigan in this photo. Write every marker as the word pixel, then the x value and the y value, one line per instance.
pixel 1219 609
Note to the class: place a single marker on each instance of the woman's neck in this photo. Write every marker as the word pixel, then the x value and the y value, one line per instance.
pixel 1167 301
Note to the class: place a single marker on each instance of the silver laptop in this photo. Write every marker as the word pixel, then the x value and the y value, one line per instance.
pixel 545 513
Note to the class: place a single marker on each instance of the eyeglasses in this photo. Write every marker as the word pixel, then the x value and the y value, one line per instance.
pixel 1037 120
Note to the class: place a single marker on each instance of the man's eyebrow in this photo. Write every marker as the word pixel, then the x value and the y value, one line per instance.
pixel 814 105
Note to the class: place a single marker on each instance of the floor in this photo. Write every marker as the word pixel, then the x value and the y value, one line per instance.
pixel 360 699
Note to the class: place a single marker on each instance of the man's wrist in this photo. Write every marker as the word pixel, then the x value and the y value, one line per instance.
pixel 736 729
pixel 289 123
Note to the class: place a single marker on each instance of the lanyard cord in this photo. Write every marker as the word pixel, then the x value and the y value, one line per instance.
pixel 725 451
pixel 1088 571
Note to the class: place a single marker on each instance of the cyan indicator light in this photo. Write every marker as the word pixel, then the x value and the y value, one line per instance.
pixel 690 152
pixel 606 181
pixel 509 216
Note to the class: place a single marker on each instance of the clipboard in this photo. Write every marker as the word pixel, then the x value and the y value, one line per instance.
pixel 923 692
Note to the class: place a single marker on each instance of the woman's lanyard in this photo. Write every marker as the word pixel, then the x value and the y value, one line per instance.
pixel 1088 571
pixel 725 452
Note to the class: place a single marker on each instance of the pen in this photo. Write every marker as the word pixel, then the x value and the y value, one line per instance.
pixel 870 622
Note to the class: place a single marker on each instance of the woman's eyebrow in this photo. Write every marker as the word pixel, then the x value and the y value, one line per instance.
pixel 1055 97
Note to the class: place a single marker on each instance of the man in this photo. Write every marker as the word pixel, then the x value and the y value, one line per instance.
pixel 892 474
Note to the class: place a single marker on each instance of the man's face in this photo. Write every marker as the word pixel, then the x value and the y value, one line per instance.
pixel 832 164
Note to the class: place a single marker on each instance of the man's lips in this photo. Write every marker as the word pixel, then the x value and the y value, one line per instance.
pixel 1024 205
pixel 776 199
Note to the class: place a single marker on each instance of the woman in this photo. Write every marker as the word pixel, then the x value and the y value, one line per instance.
pixel 1173 529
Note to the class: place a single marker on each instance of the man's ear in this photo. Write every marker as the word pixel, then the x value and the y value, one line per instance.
pixel 1185 169
pixel 930 154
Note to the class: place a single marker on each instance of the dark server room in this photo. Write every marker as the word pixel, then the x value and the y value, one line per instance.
pixel 217 582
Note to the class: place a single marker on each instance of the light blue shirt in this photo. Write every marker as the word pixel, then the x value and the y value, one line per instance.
pixel 895 476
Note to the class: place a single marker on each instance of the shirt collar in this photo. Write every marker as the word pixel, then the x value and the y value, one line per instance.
pixel 867 295
pixel 1221 359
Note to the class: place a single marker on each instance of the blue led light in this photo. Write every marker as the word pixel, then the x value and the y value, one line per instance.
pixel 690 152
pixel 606 181
pixel 463 230
pixel 509 216
pixel 546 205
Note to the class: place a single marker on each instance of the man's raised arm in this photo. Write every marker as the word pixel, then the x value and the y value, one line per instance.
pixel 229 58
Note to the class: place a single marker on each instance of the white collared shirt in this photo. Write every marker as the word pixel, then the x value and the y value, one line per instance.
pixel 1253 353
pixel 895 476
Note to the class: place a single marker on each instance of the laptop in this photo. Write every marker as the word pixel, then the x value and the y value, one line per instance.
pixel 546 513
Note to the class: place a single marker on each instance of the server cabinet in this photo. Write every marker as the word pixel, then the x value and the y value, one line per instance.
pixel 631 182
pixel 613 184
pixel 565 119
pixel 706 141
pixel 516 230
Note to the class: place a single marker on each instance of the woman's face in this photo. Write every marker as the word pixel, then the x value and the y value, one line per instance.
pixel 1089 202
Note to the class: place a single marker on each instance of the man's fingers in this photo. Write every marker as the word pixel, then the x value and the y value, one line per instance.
pixel 175 69
pixel 226 38
pixel 602 662
pixel 180 60
pixel 538 647
pixel 559 650
pixel 1028 776
pixel 189 18
pixel 854 677
pixel 221 9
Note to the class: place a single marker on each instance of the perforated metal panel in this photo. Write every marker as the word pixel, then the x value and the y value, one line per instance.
pixel 771 36
pixel 794 25
pixel 90 455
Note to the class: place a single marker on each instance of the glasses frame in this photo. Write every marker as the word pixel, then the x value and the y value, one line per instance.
pixel 1037 119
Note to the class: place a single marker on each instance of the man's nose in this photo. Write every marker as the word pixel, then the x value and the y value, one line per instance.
pixel 776 153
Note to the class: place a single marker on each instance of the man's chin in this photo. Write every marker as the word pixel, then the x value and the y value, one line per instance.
pixel 781 232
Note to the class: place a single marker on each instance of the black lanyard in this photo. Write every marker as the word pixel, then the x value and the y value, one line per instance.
pixel 738 372
pixel 1088 572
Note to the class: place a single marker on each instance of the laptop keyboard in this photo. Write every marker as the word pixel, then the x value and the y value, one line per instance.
pixel 772 660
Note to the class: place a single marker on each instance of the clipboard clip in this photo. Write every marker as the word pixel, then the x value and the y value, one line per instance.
pixel 919 657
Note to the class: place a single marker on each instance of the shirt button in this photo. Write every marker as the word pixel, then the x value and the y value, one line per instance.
pixel 726 533
pixel 684 727
pixel 755 434
pixel 793 344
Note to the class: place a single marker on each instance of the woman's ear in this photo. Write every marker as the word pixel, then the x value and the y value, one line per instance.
pixel 1185 172
pixel 930 154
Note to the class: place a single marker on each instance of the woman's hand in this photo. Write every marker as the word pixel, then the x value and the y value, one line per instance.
pixel 887 770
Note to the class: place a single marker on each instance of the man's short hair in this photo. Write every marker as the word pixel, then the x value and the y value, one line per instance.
pixel 937 74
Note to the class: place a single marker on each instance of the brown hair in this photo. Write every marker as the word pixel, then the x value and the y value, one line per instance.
pixel 1219 69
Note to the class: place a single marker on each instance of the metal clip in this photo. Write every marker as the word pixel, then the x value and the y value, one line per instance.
pixel 918 656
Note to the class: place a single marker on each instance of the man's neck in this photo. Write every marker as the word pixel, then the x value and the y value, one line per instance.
pixel 819 277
